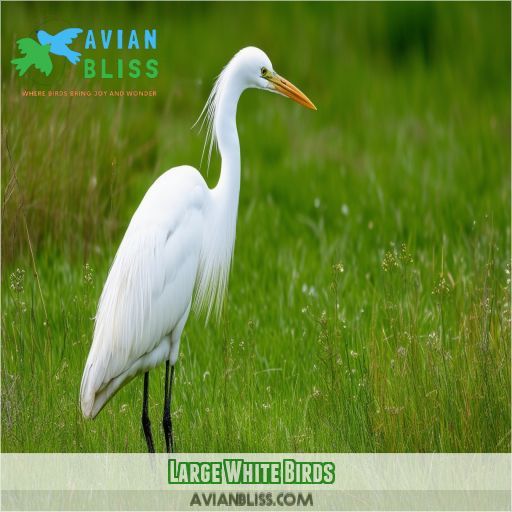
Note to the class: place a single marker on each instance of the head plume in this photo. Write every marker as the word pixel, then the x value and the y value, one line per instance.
pixel 206 118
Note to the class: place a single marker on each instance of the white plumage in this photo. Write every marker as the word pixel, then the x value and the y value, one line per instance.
pixel 149 287
pixel 180 239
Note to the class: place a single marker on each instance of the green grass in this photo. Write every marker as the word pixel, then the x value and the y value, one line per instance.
pixel 369 302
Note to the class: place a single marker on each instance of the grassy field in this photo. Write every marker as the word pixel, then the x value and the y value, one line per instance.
pixel 369 302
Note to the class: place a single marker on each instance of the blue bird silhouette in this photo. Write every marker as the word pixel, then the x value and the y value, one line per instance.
pixel 60 41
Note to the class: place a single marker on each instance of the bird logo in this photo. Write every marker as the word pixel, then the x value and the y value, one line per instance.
pixel 58 43
pixel 37 53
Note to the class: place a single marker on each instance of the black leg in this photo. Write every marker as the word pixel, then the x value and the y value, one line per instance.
pixel 167 421
pixel 146 424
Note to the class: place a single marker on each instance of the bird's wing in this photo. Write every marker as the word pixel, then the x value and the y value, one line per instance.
pixel 150 283
pixel 27 46
pixel 42 60
pixel 66 36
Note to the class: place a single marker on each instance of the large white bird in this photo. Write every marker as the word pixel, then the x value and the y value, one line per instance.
pixel 178 245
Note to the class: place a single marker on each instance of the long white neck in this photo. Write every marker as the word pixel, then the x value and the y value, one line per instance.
pixel 228 186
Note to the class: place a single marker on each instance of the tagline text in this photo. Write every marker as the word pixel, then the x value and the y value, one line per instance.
pixel 77 93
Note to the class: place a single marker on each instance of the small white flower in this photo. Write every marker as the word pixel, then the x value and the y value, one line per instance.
pixel 344 209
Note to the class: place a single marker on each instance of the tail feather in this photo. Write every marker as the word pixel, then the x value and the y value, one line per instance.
pixel 95 393
pixel 86 394
pixel 73 57
pixel 93 383
pixel 22 64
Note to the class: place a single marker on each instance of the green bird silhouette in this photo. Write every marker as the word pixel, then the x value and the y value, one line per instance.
pixel 36 55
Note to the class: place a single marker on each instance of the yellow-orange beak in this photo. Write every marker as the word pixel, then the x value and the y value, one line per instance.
pixel 282 86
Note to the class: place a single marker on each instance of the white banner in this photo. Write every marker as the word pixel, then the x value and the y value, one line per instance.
pixel 227 481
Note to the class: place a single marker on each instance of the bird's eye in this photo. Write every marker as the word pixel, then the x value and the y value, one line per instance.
pixel 264 71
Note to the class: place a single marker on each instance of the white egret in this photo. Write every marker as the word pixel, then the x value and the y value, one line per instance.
pixel 180 239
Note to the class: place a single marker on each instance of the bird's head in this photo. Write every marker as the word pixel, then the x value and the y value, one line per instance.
pixel 250 68
pixel 254 70
pixel 43 37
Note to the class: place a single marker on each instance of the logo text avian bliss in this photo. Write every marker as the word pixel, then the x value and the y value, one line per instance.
pixel 120 40
pixel 40 54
